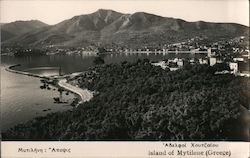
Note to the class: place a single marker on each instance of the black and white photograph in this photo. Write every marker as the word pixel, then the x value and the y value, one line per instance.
pixel 142 70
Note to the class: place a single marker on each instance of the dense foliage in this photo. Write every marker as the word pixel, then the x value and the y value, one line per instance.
pixel 98 60
pixel 101 50
pixel 138 101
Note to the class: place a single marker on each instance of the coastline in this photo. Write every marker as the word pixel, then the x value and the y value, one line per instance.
pixel 84 94
pixel 109 112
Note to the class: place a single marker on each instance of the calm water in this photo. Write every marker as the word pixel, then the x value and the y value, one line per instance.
pixel 21 96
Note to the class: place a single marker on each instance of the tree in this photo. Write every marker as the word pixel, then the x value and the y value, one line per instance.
pixel 101 50
pixel 221 67
pixel 98 60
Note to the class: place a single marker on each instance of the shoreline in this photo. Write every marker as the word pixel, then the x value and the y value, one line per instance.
pixel 84 94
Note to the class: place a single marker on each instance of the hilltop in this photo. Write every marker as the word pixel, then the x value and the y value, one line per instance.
pixel 13 29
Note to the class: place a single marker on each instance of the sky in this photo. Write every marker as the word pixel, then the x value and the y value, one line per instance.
pixel 55 11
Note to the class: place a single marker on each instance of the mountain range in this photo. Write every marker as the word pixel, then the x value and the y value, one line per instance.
pixel 108 27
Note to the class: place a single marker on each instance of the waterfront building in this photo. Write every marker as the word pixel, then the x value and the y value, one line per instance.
pixel 238 59
pixel 162 64
pixel 180 63
pixel 212 61
pixel 203 61
pixel 233 67
pixel 173 68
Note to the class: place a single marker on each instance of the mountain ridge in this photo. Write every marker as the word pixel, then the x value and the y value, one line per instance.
pixel 126 30
pixel 12 29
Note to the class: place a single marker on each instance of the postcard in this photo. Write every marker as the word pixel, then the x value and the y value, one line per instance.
pixel 125 78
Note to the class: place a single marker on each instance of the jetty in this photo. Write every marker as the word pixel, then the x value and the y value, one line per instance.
pixel 11 69
pixel 84 94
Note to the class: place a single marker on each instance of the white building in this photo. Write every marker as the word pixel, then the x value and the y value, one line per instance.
pixel 238 59
pixel 173 68
pixel 173 60
pixel 212 61
pixel 210 53
pixel 180 63
pixel 233 67
pixel 203 61
pixel 162 64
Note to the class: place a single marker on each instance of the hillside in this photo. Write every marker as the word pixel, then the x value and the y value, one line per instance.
pixel 10 30
pixel 137 101
pixel 128 30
